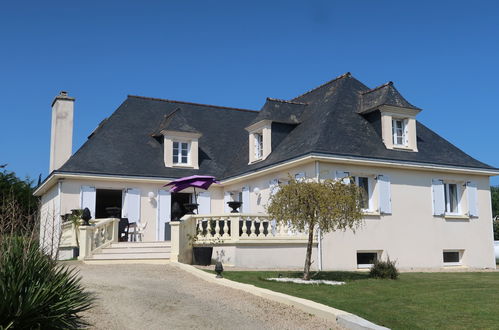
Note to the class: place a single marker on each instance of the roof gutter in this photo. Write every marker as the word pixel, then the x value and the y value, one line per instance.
pixel 363 161
pixel 54 177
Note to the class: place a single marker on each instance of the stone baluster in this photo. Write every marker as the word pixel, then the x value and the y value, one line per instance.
pixel 226 228
pixel 217 228
pixel 244 228
pixel 252 228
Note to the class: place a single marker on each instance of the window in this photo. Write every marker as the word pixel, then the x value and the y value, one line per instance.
pixel 452 257
pixel 258 145
pixel 451 198
pixel 180 152
pixel 366 259
pixel 363 184
pixel 398 129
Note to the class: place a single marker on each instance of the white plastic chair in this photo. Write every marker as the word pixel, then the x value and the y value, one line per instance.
pixel 139 231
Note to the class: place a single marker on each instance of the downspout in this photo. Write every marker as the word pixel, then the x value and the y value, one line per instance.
pixel 319 234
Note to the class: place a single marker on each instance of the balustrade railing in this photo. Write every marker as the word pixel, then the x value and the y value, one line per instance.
pixel 97 236
pixel 242 227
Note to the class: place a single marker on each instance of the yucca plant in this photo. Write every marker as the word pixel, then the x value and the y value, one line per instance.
pixel 35 291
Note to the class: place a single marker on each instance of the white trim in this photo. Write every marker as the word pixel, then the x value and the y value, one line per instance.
pixel 459 263
pixel 327 158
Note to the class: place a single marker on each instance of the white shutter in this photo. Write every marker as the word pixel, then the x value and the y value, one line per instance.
pixel 438 194
pixel 131 205
pixel 227 198
pixel 87 199
pixel 246 207
pixel 204 201
pixel 385 194
pixel 343 176
pixel 472 198
pixel 164 212
pixel 406 132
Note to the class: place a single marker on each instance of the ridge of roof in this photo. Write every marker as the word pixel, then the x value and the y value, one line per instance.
pixel 390 83
pixel 286 101
pixel 345 75
pixel 191 103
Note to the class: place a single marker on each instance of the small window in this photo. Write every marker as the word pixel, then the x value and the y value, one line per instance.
pixel 398 130
pixel 366 259
pixel 452 257
pixel 258 145
pixel 180 152
pixel 363 184
pixel 451 198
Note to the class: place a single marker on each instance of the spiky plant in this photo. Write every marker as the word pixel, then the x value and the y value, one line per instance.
pixel 35 291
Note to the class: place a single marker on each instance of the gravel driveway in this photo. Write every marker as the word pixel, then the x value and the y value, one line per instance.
pixel 165 297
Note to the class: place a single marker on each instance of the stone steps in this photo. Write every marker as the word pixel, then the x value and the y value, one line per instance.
pixel 146 252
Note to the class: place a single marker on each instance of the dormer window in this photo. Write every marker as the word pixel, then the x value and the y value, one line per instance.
pixel 181 153
pixel 258 139
pixel 399 127
pixel 181 149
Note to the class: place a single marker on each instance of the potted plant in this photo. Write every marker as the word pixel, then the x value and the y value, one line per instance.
pixel 75 219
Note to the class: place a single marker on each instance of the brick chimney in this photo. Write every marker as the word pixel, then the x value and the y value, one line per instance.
pixel 61 134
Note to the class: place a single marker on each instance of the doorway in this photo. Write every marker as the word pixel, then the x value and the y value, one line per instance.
pixel 178 201
pixel 105 198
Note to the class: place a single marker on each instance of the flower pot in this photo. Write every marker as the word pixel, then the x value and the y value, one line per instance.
pixel 202 255
pixel 190 207
pixel 234 205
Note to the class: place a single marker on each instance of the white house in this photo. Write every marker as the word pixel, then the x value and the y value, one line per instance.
pixel 428 202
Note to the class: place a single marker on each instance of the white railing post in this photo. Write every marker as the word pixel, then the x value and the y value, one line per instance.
pixel 234 228
pixel 85 241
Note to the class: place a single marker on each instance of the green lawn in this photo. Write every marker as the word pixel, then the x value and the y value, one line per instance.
pixel 414 301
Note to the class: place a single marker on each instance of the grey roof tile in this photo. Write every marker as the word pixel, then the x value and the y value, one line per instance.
pixel 325 120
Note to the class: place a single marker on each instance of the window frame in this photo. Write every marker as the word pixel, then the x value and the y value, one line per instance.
pixel 179 153
pixel 258 145
pixel 453 263
pixel 369 190
pixel 447 199
pixel 403 129
pixel 366 266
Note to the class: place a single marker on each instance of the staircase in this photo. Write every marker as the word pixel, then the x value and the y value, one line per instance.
pixel 132 252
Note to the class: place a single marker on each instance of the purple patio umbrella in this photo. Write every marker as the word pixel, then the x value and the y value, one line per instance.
pixel 194 181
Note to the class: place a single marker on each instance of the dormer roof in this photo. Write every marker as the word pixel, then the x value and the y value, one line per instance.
pixel 385 94
pixel 280 111
pixel 176 122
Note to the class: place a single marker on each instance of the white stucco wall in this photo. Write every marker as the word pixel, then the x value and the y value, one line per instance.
pixel 410 234
pixel 49 219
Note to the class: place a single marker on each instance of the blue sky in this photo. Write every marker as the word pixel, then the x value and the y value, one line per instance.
pixel 442 55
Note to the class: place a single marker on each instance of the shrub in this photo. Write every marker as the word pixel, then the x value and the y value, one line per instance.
pixel 496 229
pixel 384 269
pixel 36 292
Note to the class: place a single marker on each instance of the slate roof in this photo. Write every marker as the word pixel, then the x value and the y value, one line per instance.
pixel 325 120
pixel 385 94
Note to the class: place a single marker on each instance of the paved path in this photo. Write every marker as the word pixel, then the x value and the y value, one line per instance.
pixel 165 297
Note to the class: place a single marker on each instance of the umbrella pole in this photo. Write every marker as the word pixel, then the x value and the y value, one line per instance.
pixel 195 199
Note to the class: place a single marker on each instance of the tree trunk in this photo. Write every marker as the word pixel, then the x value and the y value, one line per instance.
pixel 308 256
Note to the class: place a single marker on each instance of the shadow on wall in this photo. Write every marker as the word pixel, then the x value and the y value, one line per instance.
pixel 221 257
